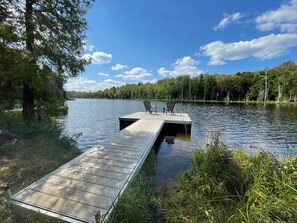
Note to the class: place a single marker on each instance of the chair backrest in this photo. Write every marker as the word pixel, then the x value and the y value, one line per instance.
pixel 170 105
pixel 147 105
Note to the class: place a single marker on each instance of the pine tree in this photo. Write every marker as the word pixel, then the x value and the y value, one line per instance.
pixel 51 36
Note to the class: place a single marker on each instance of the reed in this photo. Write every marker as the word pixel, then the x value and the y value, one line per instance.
pixel 228 186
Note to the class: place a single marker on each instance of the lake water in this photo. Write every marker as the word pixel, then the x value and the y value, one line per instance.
pixel 253 127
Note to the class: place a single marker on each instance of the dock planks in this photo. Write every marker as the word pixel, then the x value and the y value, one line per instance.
pixel 95 180
pixel 177 118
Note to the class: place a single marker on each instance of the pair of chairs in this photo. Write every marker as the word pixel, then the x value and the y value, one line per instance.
pixel 153 108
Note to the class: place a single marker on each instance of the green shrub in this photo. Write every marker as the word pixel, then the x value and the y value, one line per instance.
pixel 226 186
pixel 272 197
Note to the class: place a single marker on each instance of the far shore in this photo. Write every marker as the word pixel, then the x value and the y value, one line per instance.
pixel 198 101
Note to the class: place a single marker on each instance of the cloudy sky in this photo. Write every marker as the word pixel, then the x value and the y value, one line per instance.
pixel 147 40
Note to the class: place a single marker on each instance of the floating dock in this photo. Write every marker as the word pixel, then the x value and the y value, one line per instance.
pixel 91 184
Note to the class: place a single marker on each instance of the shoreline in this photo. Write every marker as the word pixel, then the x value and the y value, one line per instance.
pixel 198 101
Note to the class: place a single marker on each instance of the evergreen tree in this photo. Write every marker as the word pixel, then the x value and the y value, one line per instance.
pixel 51 36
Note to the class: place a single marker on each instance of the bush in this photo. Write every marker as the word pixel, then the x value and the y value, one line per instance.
pixel 226 186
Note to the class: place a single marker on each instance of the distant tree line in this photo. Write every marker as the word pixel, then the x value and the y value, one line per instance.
pixel 276 84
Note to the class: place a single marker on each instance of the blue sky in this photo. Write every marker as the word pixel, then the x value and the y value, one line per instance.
pixel 147 40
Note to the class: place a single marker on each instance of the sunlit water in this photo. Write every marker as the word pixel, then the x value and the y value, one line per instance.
pixel 253 128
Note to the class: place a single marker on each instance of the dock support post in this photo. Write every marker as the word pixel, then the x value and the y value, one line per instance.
pixel 186 130
pixel 97 217
pixel 8 191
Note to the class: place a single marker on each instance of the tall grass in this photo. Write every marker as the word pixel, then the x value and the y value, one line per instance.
pixel 35 152
pixel 226 186
pixel 134 205
pixel 221 186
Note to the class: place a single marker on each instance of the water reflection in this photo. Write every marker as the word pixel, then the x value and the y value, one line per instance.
pixel 253 127
pixel 268 127
pixel 173 157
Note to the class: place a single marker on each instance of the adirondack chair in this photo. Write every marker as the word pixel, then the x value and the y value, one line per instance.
pixel 170 107
pixel 150 108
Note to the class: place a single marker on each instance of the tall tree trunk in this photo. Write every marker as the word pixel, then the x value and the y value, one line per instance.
pixel 279 91
pixel 190 92
pixel 28 104
pixel 265 90
pixel 28 92
pixel 182 94
pixel 204 96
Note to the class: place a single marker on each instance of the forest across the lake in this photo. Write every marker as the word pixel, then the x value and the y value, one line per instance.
pixel 275 84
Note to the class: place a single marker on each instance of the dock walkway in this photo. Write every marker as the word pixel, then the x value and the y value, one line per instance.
pixel 92 182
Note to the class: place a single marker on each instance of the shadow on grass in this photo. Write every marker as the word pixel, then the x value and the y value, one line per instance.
pixel 29 154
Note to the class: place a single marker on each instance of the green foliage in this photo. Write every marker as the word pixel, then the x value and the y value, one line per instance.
pixel 41 45
pixel 32 154
pixel 272 195
pixel 226 186
pixel 245 86
pixel 5 211
pixel 134 205
pixel 221 186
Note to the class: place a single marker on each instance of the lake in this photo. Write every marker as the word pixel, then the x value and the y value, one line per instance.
pixel 252 127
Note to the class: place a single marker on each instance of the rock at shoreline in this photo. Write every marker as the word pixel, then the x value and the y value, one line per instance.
pixel 7 137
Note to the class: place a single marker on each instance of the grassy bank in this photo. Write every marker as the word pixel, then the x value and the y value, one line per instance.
pixel 221 186
pixel 28 154
pixel 225 186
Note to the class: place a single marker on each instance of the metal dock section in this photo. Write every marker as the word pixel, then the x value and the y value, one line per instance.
pixel 92 182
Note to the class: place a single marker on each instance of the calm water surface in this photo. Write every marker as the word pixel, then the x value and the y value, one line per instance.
pixel 251 127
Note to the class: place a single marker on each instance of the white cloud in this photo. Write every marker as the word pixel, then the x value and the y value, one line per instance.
pixel 98 57
pixel 85 85
pixel 89 47
pixel 103 74
pixel 283 18
pixel 182 66
pixel 266 47
pixel 228 19
pixel 149 81
pixel 136 74
pixel 112 83
pixel 119 67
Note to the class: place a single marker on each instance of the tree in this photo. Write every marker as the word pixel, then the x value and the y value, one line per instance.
pixel 286 77
pixel 11 60
pixel 247 80
pixel 51 35
pixel 225 84
pixel 183 85
pixel 210 86
pixel 280 83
